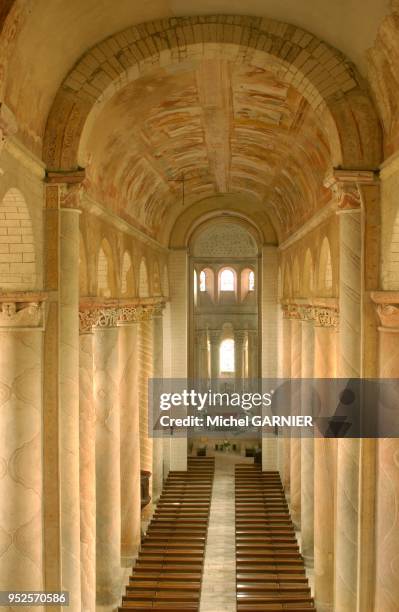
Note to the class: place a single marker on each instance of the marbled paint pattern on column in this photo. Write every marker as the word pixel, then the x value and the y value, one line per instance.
pixel 108 490
pixel 307 450
pixel 349 366
pixel 157 455
pixel 324 479
pixel 87 428
pixel 130 442
pixel 387 561
pixel 69 406
pixel 146 370
pixel 21 520
pixel 295 481
pixel 287 374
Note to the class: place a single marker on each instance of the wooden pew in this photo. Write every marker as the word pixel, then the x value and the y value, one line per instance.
pixel 270 573
pixel 168 571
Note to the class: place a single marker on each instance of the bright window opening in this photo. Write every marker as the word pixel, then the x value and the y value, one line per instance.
pixel 328 274
pixel 227 280
pixel 227 356
pixel 202 281
pixel 251 281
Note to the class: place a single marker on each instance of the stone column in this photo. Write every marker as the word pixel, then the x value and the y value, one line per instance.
pixel 253 358
pixel 349 366
pixel 202 352
pixel 21 464
pixel 197 354
pixel 287 374
pixel 108 487
pixel 145 372
pixel 307 448
pixel 214 338
pixel 157 459
pixel 324 474
pixel 280 374
pixel 87 430
pixel 129 435
pixel 387 519
pixel 178 274
pixel 239 346
pixel 69 405
pixel 269 308
pixel 295 460
pixel 61 385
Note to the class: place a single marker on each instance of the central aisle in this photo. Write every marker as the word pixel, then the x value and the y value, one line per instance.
pixel 218 592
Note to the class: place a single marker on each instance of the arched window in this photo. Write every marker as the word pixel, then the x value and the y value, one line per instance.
pixel 325 266
pixel 104 271
pixel 127 280
pixel 144 287
pixel 203 281
pixel 227 280
pixel 17 247
pixel 251 281
pixel 227 356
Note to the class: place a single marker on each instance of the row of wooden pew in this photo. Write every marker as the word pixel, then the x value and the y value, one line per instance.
pixel 269 567
pixel 168 572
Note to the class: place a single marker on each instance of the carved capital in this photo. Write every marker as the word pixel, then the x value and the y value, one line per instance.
pixel 345 186
pixel 240 336
pixel 322 315
pixel 96 314
pixel 71 196
pixel 325 317
pixel 214 336
pixel 21 315
pixel 291 311
pixel 387 308
pixel 65 189
pixel 97 318
pixel 146 312
pixel 129 314
pixel 157 310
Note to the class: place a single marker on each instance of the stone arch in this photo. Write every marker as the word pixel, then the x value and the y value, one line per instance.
pixel 127 275
pixel 308 274
pixel 17 250
pixel 340 100
pixel 105 270
pixel 325 276
pixel 144 286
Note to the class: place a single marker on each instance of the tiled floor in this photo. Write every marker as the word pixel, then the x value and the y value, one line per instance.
pixel 218 583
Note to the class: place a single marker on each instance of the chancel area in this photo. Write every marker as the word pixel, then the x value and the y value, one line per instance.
pixel 201 191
